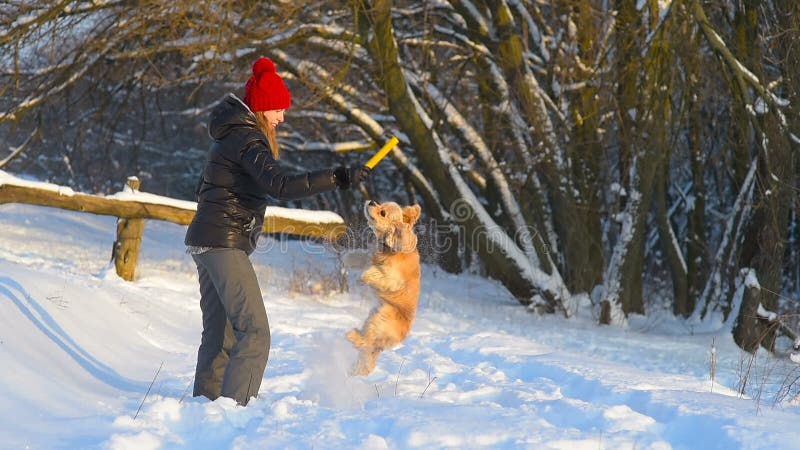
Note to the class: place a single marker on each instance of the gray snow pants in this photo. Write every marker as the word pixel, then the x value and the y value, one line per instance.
pixel 235 343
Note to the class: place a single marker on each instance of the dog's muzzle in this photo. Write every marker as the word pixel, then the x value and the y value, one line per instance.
pixel 367 205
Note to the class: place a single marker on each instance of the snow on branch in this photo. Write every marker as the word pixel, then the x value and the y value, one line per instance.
pixel 305 31
pixel 503 106
pixel 21 148
pixel 663 11
pixel 33 101
pixel 316 77
pixel 28 21
pixel 769 316
pixel 551 285
pixel 420 42
pixel 509 110
pixel 532 28
pixel 336 147
pixel 740 71
pixel 471 13
pixel 464 39
pixel 75 74
pixel 479 147
pixel 347 50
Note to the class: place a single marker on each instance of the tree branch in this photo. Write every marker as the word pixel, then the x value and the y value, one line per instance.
pixel 19 150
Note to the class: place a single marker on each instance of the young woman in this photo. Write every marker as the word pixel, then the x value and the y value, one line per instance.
pixel 240 177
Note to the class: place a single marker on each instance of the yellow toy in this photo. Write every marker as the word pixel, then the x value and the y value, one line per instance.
pixel 382 153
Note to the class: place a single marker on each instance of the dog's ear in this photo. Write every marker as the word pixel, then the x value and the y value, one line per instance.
pixel 411 214
pixel 406 240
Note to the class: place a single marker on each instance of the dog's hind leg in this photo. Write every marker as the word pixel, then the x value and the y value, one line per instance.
pixel 371 358
pixel 367 359
pixel 364 338
pixel 372 328
pixel 360 366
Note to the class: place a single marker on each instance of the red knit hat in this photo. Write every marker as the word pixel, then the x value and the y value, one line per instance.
pixel 265 90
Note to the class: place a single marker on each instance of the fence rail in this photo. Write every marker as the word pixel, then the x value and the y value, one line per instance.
pixel 131 207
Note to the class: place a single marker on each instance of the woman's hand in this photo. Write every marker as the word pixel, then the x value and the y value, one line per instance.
pixel 346 177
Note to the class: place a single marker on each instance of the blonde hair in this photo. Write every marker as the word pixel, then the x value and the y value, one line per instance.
pixel 269 132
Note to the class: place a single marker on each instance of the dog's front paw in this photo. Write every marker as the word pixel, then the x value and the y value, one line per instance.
pixel 390 284
pixel 371 275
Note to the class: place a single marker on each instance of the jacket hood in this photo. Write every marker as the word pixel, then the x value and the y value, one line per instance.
pixel 229 114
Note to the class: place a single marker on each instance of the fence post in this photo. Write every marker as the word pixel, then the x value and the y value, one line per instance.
pixel 129 237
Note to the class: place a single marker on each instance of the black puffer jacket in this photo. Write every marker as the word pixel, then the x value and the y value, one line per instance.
pixel 239 177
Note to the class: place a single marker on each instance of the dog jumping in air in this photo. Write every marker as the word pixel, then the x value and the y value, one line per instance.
pixel 394 275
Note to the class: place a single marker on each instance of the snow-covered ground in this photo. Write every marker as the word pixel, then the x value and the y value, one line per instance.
pixel 80 348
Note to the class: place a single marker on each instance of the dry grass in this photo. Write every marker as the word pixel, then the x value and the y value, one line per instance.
pixel 315 282
pixel 712 363
pixel 768 378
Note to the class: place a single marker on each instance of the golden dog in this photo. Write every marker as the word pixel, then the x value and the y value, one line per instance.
pixel 394 275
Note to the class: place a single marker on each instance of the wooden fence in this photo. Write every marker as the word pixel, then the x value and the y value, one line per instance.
pixel 132 207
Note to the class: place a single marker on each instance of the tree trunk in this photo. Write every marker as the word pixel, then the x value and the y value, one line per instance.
pixel 637 179
pixel 743 136
pixel 669 243
pixel 626 67
pixel 745 47
pixel 696 246
pixel 583 244
pixel 623 279
pixel 645 121
pixel 658 74
pixel 749 331
pixel 766 239
pixel 771 230
pixel 788 16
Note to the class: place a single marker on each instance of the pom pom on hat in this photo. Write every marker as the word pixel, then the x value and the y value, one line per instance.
pixel 263 65
pixel 265 89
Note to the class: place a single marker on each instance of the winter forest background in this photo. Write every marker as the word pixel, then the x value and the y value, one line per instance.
pixel 641 153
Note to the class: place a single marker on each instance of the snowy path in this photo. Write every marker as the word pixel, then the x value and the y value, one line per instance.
pixel 80 348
